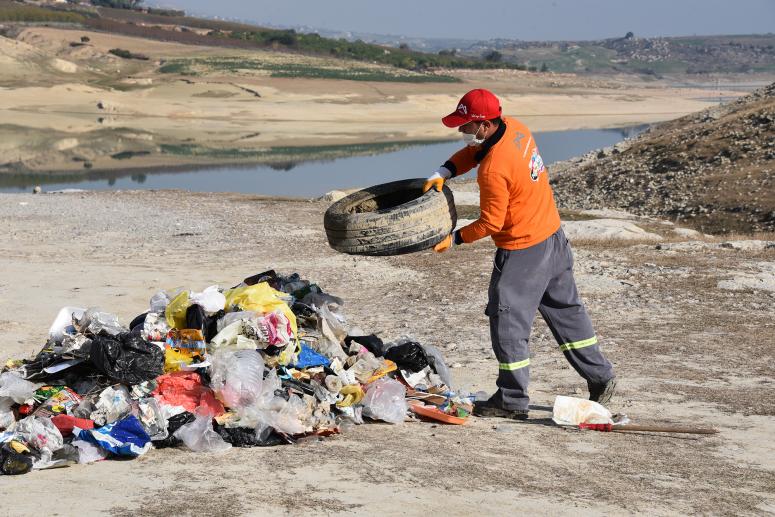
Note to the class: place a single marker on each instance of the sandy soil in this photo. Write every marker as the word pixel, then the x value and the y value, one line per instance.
pixel 84 93
pixel 687 350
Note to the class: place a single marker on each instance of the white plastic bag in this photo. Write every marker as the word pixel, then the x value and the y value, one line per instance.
pixel 237 376
pixel 211 299
pixel 385 400
pixel 16 388
pixel 575 411
pixel 63 323
pixel 199 436
pixel 88 452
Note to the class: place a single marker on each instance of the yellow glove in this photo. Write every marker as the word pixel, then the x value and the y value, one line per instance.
pixel 436 180
pixel 444 245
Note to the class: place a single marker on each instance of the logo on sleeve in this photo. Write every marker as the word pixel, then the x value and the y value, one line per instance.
pixel 536 165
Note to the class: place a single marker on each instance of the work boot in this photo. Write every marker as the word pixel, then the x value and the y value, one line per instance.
pixel 489 409
pixel 602 393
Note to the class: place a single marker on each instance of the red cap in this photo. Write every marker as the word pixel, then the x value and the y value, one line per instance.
pixel 475 105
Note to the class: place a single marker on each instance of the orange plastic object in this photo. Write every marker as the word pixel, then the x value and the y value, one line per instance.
pixel 390 366
pixel 434 414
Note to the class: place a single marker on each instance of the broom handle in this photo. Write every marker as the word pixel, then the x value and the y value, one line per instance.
pixel 647 428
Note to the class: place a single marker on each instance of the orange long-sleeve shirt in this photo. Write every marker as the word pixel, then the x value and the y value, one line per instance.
pixel 516 201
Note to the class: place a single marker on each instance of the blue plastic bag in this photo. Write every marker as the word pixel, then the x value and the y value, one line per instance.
pixel 309 358
pixel 124 437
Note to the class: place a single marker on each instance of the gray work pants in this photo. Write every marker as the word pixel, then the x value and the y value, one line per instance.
pixel 539 278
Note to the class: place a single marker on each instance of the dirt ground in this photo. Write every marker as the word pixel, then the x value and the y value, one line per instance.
pixel 687 350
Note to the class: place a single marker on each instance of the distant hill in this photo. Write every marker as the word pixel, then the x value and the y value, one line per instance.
pixel 166 25
pixel 649 56
pixel 714 168
pixel 630 54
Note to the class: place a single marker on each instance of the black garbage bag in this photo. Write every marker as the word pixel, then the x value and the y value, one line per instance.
pixel 195 317
pixel 136 326
pixel 408 356
pixel 372 343
pixel 173 424
pixel 126 358
pixel 246 437
pixel 14 463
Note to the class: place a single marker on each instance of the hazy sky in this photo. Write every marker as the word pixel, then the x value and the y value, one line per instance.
pixel 515 19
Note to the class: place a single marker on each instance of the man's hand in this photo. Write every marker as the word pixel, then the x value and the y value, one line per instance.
pixel 450 240
pixel 436 180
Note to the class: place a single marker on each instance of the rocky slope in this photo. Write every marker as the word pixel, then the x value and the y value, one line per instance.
pixel 712 169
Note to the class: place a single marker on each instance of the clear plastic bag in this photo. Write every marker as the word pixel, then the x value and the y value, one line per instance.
pixel 94 321
pixel 385 400
pixel 436 360
pixel 40 434
pixel 159 302
pixel 237 376
pixel 6 413
pixel 16 388
pixel 111 406
pixel 151 418
pixel 199 436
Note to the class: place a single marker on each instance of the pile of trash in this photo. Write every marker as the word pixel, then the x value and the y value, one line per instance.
pixel 268 362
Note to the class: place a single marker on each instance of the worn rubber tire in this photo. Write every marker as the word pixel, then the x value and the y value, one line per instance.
pixel 390 219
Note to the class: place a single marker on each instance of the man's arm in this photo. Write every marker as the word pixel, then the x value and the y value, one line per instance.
pixel 462 161
pixel 494 202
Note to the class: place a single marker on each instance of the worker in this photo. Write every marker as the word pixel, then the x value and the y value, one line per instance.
pixel 533 265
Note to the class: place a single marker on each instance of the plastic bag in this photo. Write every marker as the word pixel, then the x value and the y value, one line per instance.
pixel 436 360
pixel 63 323
pixel 409 356
pixel 211 299
pixel 199 436
pixel 6 413
pixel 385 400
pixel 151 418
pixel 159 302
pixel 173 424
pixel 182 348
pixel 175 312
pixel 237 376
pixel 185 389
pixel 309 358
pixel 124 438
pixel 15 459
pixel 40 434
pixel 155 327
pixel 94 321
pixel 126 358
pixel 88 452
pixel 16 388
pixel 332 334
pixel 113 404
pixel 260 298
pixel 575 411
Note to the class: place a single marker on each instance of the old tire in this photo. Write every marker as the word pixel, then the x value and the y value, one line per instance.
pixel 390 219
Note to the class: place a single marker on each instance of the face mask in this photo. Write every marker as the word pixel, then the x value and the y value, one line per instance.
pixel 470 138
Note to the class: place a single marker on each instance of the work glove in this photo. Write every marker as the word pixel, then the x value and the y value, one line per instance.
pixel 436 180
pixel 449 241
